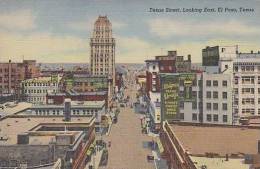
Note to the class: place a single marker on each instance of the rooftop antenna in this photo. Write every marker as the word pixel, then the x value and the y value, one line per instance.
pixel 161 51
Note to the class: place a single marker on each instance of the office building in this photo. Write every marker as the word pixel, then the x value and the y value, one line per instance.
pixel 102 45
pixel 11 74
pixel 245 70
pixel 196 97
pixel 35 90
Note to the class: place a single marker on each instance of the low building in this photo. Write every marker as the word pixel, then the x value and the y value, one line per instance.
pixel 154 110
pixel 86 83
pixel 35 90
pixel 35 142
pixel 212 55
pixel 58 98
pixel 193 146
pixel 77 109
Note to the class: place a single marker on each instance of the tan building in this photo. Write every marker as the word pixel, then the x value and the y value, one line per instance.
pixel 11 74
pixel 102 59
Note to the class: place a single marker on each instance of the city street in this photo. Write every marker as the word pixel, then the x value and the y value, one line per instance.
pixel 127 150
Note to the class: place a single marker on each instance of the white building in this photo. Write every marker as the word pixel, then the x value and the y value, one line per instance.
pixel 155 109
pixel 190 110
pixel 245 70
pixel 217 98
pixel 35 90
pixel 78 109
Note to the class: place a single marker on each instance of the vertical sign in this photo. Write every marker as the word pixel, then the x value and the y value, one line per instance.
pixel 188 79
pixel 169 96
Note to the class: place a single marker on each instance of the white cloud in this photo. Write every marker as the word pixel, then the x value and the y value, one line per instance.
pixel 118 24
pixel 88 25
pixel 18 20
pixel 133 49
pixel 44 47
pixel 136 50
pixel 169 27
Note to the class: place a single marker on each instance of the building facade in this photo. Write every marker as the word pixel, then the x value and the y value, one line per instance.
pixel 197 98
pixel 217 98
pixel 212 55
pixel 245 69
pixel 35 90
pixel 102 44
pixel 11 74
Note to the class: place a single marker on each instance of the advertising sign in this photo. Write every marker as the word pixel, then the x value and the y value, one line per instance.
pixel 187 80
pixel 169 96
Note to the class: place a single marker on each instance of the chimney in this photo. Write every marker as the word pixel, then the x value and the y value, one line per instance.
pixel 10 61
pixel 189 57
pixel 252 51
pixel 67 110
pixel 226 157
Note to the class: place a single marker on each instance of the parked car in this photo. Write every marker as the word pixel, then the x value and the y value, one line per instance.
pixel 150 158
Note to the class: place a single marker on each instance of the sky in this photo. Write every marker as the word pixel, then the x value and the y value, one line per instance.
pixel 59 31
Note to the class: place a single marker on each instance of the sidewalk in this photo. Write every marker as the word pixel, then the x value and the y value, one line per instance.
pixel 95 160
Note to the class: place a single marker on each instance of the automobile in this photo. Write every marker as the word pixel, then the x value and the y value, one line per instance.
pixel 150 158
pixel 122 105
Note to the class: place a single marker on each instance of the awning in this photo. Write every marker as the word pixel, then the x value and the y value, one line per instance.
pixel 160 146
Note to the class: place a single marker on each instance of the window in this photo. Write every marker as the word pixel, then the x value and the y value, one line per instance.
pixel 215 117
pixel 248 90
pixel 236 90
pixel 181 105
pixel 182 116
pixel 224 106
pixel 208 83
pixel 235 68
pixel 224 83
pixel 208 94
pixel 248 80
pixel 248 101
pixel 224 95
pixel 215 95
pixel 236 80
pixel 225 118
pixel 194 94
pixel 200 94
pixel 215 83
pixel 208 117
pixel 215 106
pixel 194 105
pixel 194 117
pixel 208 106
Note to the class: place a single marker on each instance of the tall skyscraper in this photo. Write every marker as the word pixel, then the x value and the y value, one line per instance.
pixel 102 59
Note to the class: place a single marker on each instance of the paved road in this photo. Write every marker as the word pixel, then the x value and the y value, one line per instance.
pixel 127 151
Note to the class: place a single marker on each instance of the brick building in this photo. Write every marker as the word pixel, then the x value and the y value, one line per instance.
pixel 11 74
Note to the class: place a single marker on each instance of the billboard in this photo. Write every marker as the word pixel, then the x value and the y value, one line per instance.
pixel 169 97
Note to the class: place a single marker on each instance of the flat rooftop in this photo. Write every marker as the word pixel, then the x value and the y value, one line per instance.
pixel 217 163
pixel 221 140
pixel 12 126
pixel 11 108
pixel 74 104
